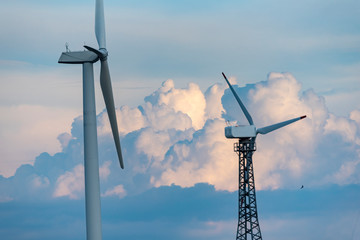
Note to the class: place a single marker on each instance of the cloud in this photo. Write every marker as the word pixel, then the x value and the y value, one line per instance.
pixel 116 191
pixel 355 115
pixel 208 157
pixel 70 184
pixel 345 127
pixel 283 158
pixel 165 141
pixel 190 101
pixel 129 120
pixel 104 170
pixel 23 129
pixel 213 95
pixel 155 144
pixel 64 139
pixel 198 212
pixel 40 182
pixel 348 130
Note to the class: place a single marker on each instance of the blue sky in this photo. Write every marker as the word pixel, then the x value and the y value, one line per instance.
pixel 288 58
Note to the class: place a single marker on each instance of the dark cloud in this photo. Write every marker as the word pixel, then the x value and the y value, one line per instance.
pixel 198 212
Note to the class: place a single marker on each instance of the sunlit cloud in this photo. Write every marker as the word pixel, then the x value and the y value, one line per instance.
pixel 71 183
pixel 170 142
pixel 115 191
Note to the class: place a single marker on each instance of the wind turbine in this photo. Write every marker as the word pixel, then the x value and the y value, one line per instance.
pixel 91 164
pixel 248 223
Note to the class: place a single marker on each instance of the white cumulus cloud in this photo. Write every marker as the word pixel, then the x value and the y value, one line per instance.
pixel 71 183
pixel 176 136
pixel 190 101
pixel 116 191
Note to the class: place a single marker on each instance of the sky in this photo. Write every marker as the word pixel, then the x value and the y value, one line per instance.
pixel 285 59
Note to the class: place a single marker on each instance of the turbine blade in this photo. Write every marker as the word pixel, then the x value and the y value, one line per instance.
pixel 242 106
pixel 100 24
pixel 276 126
pixel 105 83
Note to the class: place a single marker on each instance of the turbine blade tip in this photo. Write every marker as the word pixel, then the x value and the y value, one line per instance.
pixel 121 163
pixel 302 117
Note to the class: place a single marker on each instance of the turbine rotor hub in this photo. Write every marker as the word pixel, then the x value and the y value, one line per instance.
pixel 102 52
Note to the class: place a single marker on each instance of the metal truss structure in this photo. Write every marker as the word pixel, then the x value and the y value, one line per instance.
pixel 248 224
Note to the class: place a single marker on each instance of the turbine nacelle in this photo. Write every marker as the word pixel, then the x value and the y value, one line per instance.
pixel 78 57
pixel 242 132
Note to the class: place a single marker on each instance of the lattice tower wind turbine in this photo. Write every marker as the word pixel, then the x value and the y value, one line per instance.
pixel 91 164
pixel 248 224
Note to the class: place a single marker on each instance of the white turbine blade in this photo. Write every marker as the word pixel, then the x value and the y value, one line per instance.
pixel 100 24
pixel 271 128
pixel 105 83
pixel 242 106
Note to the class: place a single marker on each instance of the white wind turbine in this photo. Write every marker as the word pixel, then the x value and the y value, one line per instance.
pixel 91 164
pixel 248 223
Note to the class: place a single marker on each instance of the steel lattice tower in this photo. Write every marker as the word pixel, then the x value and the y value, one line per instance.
pixel 248 224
